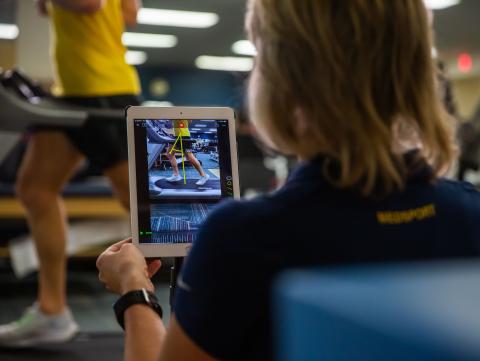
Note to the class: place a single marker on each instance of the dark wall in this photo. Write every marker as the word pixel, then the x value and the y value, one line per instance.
pixel 194 87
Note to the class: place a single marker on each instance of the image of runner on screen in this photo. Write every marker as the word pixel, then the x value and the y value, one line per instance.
pixel 183 140
pixel 183 158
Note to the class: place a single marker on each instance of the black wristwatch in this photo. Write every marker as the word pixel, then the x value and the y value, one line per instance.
pixel 142 297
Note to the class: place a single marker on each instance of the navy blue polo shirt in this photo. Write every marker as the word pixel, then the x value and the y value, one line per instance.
pixel 223 302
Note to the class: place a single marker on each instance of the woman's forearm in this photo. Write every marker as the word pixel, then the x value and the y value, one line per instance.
pixel 144 334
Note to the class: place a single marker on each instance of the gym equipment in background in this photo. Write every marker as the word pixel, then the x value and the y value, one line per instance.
pixel 469 139
pixel 24 104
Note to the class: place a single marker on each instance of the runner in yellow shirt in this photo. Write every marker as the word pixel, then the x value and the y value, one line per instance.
pixel 180 128
pixel 90 70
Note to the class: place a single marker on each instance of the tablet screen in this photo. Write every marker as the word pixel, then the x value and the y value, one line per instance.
pixel 183 169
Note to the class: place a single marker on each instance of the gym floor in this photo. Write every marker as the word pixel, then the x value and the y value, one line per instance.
pixel 91 304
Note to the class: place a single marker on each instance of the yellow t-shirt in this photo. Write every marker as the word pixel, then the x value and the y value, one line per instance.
pixel 89 57
pixel 181 128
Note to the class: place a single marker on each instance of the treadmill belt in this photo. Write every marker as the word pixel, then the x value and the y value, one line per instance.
pixel 211 183
pixel 85 347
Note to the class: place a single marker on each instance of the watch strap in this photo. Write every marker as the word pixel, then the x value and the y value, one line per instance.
pixel 142 297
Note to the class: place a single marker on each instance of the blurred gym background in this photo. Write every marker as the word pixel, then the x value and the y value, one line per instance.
pixel 200 58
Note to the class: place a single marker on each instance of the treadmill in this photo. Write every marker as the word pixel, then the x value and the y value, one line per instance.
pixel 24 104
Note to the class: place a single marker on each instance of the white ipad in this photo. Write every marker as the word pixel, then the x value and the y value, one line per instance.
pixel 182 162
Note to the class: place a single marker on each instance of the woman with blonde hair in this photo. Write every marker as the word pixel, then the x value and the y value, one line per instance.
pixel 349 88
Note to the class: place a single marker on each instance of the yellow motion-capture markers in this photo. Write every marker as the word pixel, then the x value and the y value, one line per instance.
pixel 183 158
pixel 174 144
pixel 183 161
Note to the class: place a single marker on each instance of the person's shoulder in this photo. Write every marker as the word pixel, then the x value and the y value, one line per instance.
pixel 238 214
pixel 228 230
pixel 458 187
pixel 459 194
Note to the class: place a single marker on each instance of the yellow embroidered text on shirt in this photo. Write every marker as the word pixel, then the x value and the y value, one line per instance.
pixel 408 216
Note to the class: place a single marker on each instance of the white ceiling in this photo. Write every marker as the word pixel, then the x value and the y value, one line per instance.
pixel 457 29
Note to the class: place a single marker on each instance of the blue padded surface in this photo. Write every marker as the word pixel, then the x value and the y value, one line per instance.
pixel 413 312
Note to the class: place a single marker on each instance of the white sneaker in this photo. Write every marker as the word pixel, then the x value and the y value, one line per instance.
pixel 35 327
pixel 203 180
pixel 174 178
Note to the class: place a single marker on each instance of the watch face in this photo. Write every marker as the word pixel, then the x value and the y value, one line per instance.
pixel 147 295
pixel 151 300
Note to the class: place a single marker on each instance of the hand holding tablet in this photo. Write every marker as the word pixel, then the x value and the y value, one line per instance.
pixel 182 162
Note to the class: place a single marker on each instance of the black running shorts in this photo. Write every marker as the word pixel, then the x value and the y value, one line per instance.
pixel 104 142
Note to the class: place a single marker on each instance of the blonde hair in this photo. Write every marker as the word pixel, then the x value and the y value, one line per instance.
pixel 338 77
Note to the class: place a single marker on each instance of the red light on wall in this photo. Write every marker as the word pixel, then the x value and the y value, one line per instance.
pixel 465 62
